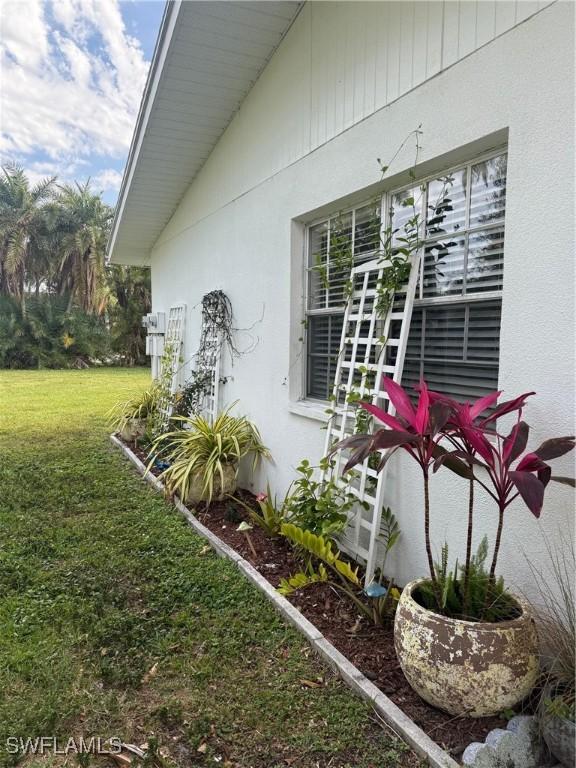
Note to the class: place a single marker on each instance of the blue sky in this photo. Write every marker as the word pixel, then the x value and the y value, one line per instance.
pixel 72 74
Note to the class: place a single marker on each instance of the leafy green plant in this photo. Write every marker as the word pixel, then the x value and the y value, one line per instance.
pixel 345 577
pixel 303 579
pixel 188 399
pixel 321 548
pixel 270 517
pixel 389 535
pixel 139 407
pixel 166 394
pixel 319 507
pixel 487 598
pixel 384 606
pixel 206 450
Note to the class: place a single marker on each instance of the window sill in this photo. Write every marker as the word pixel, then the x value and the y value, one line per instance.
pixel 310 410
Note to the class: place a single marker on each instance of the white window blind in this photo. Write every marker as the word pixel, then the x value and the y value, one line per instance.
pixel 455 330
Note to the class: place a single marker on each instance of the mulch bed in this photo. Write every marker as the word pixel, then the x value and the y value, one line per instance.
pixel 369 648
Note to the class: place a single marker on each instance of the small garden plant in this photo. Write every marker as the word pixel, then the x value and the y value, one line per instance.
pixel 139 409
pixel 319 507
pixel 205 455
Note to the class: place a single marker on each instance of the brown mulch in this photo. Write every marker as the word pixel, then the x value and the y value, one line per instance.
pixel 368 647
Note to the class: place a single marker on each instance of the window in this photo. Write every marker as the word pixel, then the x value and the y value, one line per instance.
pixel 351 236
pixel 455 330
pixel 454 334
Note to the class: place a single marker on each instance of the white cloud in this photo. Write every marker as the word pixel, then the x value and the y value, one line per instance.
pixel 72 78
pixel 108 180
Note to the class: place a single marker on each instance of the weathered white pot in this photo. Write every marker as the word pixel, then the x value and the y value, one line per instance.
pixel 134 429
pixel 196 490
pixel 464 667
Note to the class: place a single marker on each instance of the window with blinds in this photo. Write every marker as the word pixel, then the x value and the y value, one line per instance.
pixel 455 330
pixel 334 245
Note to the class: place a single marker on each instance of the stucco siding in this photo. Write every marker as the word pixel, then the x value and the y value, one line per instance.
pixel 240 229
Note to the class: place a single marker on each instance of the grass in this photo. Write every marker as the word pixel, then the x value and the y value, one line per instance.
pixel 117 620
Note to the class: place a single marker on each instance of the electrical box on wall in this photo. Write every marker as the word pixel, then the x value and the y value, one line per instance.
pixel 154 322
pixel 155 344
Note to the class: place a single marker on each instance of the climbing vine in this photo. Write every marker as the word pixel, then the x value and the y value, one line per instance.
pixel 216 334
pixel 161 414
pixel 396 246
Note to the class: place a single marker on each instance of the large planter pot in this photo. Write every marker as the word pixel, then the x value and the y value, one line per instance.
pixel 560 737
pixel 464 667
pixel 134 429
pixel 196 490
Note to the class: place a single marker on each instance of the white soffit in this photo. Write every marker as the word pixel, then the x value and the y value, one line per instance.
pixel 207 58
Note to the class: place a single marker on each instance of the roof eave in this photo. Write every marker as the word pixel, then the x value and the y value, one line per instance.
pixel 167 26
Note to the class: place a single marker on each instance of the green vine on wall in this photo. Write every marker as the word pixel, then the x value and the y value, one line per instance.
pixel 396 246
pixel 161 414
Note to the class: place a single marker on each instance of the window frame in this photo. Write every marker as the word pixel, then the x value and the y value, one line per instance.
pixel 385 199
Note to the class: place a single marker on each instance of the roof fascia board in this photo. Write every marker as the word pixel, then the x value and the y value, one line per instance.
pixel 167 27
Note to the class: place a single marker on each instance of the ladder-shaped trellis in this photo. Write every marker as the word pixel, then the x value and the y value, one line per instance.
pixel 211 363
pixel 171 362
pixel 373 344
pixel 215 334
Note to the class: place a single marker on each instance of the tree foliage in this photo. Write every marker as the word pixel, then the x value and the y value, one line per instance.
pixel 61 304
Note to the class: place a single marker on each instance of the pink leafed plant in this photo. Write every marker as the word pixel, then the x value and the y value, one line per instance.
pixel 472 447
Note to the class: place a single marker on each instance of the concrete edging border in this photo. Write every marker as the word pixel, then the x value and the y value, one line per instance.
pixel 399 722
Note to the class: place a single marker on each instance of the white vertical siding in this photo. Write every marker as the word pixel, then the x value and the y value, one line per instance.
pixel 367 54
pixel 340 63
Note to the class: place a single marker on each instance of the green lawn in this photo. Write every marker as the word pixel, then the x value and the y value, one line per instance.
pixel 117 620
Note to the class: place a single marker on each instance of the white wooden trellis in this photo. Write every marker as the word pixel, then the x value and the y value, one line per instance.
pixel 371 346
pixel 171 363
pixel 211 364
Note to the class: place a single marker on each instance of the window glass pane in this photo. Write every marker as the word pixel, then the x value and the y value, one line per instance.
pixel 317 255
pixel 454 344
pixel 339 259
pixel 323 334
pixel 488 191
pixel 485 261
pixel 444 332
pixel 405 207
pixel 366 232
pixel 483 341
pixel 443 267
pixel 460 353
pixel 462 381
pixel 446 204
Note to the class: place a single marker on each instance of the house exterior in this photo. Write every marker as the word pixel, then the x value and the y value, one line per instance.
pixel 260 130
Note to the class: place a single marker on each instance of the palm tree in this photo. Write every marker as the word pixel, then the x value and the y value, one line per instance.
pixel 130 298
pixel 24 230
pixel 83 226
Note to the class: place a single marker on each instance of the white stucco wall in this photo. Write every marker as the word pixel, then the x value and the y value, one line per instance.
pixel 242 234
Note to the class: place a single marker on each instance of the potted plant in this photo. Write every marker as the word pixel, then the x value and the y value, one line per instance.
pixel 130 417
pixel 555 611
pixel 204 458
pixel 474 657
